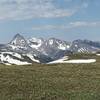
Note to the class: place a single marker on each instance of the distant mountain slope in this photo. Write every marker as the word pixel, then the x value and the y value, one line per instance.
pixel 85 46
pixel 22 51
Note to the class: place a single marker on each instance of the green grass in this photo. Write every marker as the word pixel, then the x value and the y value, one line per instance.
pixel 50 82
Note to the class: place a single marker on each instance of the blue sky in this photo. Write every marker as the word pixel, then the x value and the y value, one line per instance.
pixel 64 19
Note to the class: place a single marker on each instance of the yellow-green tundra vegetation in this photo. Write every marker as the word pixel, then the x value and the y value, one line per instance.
pixel 51 81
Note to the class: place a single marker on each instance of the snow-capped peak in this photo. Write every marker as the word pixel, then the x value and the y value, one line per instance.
pixel 35 42
pixel 18 40
pixel 62 45
pixel 50 42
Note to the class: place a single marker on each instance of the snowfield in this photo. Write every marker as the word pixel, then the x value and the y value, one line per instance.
pixel 10 60
pixel 81 61
pixel 32 42
pixel 59 60
pixel 98 54
pixel 74 61
pixel 32 58
pixel 13 53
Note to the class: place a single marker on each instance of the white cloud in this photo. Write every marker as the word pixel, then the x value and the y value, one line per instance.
pixel 84 24
pixel 27 9
pixel 70 25
pixel 48 27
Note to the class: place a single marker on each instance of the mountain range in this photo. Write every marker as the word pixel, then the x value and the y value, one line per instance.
pixel 21 51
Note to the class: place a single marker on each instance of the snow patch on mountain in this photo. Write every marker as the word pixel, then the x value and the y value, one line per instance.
pixel 50 42
pixel 62 47
pixel 62 60
pixel 35 42
pixel 13 53
pixel 10 60
pixel 98 54
pixel 82 50
pixel 32 58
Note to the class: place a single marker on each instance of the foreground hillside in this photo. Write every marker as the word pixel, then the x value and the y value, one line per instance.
pixel 50 82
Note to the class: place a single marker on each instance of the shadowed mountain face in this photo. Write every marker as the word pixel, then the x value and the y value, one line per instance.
pixel 22 51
